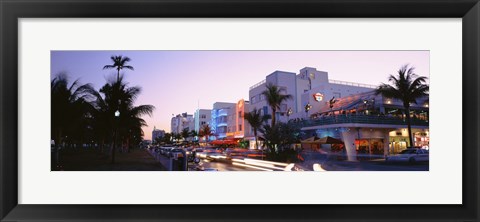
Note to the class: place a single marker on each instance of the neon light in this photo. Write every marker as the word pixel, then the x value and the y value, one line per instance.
pixel 318 97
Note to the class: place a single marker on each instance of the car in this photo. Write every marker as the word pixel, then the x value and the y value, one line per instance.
pixel 410 155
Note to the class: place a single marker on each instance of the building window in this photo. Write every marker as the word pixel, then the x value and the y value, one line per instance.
pixel 240 127
pixel 240 114
pixel 253 99
pixel 265 110
pixel 262 97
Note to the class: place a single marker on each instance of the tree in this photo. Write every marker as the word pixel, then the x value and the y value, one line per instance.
pixel 70 108
pixel 118 96
pixel 177 136
pixel 206 132
pixel 256 120
pixel 167 138
pixel 275 98
pixel 119 63
pixel 407 87
pixel 185 133
pixel 193 134
pixel 279 139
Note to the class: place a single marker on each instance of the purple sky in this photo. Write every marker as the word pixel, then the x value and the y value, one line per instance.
pixel 178 81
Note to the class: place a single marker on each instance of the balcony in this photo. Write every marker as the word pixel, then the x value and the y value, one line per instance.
pixel 361 119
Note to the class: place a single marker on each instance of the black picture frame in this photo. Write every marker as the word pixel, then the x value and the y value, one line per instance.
pixel 11 11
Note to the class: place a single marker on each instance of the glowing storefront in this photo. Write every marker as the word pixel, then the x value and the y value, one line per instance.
pixel 370 126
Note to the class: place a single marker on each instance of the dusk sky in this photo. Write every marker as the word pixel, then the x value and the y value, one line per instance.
pixel 182 81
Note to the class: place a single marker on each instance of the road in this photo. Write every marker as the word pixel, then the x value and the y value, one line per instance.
pixel 373 165
pixel 326 163
pixel 223 166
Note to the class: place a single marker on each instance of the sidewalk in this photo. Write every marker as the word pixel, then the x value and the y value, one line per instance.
pixel 93 160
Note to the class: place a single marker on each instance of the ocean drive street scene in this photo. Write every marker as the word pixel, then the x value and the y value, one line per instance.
pixel 240 111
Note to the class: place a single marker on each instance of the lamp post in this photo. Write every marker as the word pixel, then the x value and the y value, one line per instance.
pixel 331 103
pixel 307 108
pixel 117 115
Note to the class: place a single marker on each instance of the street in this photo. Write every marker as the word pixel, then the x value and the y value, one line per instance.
pixel 222 166
pixel 219 162
pixel 370 165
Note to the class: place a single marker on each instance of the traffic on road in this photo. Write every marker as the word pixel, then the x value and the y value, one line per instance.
pixel 176 158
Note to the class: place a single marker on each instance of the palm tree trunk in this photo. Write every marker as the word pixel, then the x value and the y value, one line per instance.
pixel 58 141
pixel 128 144
pixel 256 140
pixel 409 126
pixel 273 116
pixel 118 73
pixel 114 145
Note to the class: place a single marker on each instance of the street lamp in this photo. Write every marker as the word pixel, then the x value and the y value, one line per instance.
pixel 331 103
pixel 307 108
pixel 117 115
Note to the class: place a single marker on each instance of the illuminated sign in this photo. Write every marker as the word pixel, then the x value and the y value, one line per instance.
pixel 318 97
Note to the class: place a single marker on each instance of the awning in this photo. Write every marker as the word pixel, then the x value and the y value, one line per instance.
pixel 324 140
pixel 309 140
pixel 328 140
pixel 224 142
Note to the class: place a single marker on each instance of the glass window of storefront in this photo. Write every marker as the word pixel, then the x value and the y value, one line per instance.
pixel 369 146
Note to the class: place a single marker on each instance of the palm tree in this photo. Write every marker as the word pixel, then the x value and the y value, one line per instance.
pixel 193 134
pixel 167 138
pixel 69 106
pixel 119 63
pixel 132 123
pixel 205 131
pixel 406 86
pixel 70 117
pixel 118 96
pixel 177 136
pixel 275 98
pixel 256 120
pixel 185 134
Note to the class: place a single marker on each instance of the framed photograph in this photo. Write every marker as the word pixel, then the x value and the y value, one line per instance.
pixel 226 110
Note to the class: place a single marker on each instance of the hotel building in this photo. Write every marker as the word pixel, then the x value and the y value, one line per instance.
pixel 299 86
pixel 368 124
pixel 202 117
pixel 219 119
pixel 156 133
pixel 181 122
pixel 237 127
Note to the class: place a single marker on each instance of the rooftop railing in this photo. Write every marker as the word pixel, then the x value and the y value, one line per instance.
pixel 352 84
pixel 258 84
pixel 365 119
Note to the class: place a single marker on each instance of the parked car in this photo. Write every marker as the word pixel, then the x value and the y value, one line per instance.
pixel 410 155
